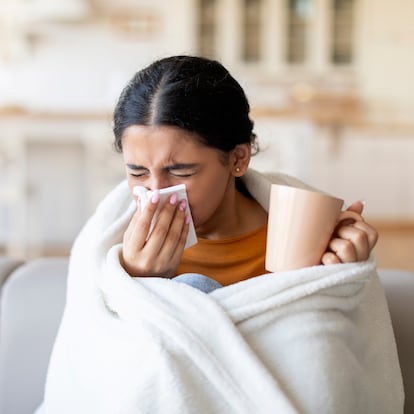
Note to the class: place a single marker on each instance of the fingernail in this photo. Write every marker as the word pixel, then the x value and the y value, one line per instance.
pixel 173 199
pixel 183 205
pixel 187 219
pixel 155 197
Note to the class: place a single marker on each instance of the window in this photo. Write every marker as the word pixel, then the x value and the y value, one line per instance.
pixel 342 31
pixel 252 31
pixel 297 30
pixel 207 28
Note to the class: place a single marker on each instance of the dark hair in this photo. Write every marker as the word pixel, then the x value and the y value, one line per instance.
pixel 192 93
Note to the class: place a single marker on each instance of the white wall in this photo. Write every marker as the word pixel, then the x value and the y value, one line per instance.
pixel 285 146
pixel 374 166
pixel 386 59
pixel 76 68
pixel 83 66
pixel 54 171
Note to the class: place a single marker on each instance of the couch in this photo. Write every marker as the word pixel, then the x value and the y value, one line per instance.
pixel 32 297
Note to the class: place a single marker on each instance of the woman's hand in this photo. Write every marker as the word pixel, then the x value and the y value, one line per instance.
pixel 160 255
pixel 351 242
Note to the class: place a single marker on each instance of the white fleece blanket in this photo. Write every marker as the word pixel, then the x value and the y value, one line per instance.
pixel 317 340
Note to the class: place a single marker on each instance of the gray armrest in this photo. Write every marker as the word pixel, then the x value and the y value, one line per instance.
pixel 399 291
pixel 7 266
pixel 32 303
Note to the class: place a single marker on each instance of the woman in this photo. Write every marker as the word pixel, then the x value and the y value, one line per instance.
pixel 186 120
pixel 135 340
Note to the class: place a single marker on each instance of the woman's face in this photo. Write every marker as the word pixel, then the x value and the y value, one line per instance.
pixel 162 156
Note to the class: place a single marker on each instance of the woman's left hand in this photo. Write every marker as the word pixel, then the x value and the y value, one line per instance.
pixel 351 242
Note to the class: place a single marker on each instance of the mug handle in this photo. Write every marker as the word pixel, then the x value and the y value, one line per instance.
pixel 349 215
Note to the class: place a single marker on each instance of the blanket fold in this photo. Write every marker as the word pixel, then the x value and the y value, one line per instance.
pixel 316 340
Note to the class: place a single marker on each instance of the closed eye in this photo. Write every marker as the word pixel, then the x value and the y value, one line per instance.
pixel 176 170
pixel 182 170
pixel 181 173
pixel 137 170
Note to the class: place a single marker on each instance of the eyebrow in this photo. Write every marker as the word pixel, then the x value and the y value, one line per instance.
pixel 135 167
pixel 180 166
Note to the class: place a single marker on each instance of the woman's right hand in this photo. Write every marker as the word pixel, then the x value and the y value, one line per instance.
pixel 160 254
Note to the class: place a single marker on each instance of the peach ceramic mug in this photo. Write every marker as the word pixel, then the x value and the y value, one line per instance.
pixel 300 225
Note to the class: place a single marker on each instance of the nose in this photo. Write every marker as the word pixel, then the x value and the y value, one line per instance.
pixel 156 182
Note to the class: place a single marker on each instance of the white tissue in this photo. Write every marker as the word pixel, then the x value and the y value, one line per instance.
pixel 145 195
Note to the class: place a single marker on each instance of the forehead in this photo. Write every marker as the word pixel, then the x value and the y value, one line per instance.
pixel 143 132
pixel 159 141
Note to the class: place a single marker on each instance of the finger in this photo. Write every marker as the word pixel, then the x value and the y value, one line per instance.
pixel 357 207
pixel 138 201
pixel 344 250
pixel 162 224
pixel 175 238
pixel 330 258
pixel 351 244
pixel 359 240
pixel 166 260
pixel 179 227
pixel 371 233
pixel 137 231
pixel 177 250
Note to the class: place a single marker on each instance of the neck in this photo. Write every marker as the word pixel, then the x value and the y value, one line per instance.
pixel 237 215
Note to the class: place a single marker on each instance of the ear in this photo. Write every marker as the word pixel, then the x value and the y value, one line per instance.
pixel 240 159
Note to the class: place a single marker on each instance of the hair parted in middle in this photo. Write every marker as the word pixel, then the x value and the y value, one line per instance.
pixel 193 93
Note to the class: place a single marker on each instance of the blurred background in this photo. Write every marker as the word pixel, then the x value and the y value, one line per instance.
pixel 330 84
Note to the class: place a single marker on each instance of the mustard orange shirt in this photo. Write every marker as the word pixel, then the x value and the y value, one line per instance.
pixel 228 260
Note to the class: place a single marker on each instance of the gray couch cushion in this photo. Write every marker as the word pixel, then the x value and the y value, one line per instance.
pixel 32 301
